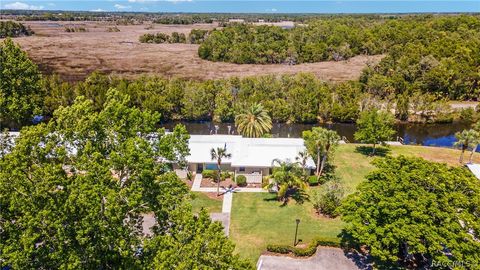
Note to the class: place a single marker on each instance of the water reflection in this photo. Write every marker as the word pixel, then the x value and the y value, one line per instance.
pixel 423 134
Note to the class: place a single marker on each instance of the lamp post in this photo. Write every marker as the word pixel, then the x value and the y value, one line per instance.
pixel 296 231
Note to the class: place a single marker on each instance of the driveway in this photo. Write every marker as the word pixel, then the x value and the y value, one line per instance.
pixel 326 258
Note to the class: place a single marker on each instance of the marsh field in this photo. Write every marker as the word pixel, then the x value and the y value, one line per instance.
pixel 74 55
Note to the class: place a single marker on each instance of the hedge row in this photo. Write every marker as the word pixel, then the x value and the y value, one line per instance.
pixel 302 252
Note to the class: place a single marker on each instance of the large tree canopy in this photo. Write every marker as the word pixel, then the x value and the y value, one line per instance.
pixel 20 86
pixel 416 212
pixel 74 193
pixel 375 127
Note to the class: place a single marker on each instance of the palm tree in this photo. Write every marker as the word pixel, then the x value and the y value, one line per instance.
pixel 254 122
pixel 301 159
pixel 330 139
pixel 286 178
pixel 219 154
pixel 465 139
pixel 320 143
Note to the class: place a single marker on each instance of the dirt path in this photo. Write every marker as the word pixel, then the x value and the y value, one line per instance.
pixel 75 55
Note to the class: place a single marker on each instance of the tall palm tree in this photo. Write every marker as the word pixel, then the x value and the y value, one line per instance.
pixel 330 139
pixel 465 139
pixel 320 143
pixel 219 154
pixel 286 178
pixel 254 122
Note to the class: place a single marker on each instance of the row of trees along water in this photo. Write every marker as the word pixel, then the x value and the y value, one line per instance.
pixel 300 98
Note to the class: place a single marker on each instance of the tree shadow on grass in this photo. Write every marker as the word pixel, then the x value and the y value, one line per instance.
pixel 300 196
pixel 367 151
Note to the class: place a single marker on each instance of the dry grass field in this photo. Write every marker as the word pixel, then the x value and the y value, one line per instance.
pixel 74 55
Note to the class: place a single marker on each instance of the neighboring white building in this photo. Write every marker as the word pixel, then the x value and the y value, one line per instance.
pixel 252 157
pixel 475 169
pixel 236 20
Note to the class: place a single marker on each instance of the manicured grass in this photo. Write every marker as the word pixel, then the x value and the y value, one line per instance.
pixel 437 154
pixel 202 200
pixel 258 219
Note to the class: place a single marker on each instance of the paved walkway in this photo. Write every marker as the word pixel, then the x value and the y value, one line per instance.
pixel 197 181
pixel 227 202
pixel 326 258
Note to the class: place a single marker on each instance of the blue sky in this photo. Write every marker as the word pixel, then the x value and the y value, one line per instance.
pixel 250 6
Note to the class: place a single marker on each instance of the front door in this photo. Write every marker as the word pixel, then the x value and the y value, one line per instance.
pixel 199 167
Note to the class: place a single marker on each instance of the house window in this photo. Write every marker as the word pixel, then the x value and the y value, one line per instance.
pixel 211 167
pixel 241 169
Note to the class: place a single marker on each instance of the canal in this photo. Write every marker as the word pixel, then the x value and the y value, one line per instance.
pixel 442 135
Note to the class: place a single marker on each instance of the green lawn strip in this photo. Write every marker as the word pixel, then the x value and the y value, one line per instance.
pixel 202 200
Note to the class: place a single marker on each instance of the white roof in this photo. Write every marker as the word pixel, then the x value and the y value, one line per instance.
pixel 246 152
pixel 475 168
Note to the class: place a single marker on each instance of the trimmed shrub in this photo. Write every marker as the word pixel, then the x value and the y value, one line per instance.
pixel 313 180
pixel 241 180
pixel 282 249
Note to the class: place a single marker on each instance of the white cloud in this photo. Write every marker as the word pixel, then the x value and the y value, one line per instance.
pixel 97 10
pixel 51 4
pixel 118 6
pixel 271 10
pixel 20 5
pixel 179 1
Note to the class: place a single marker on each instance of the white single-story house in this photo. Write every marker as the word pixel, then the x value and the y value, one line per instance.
pixel 252 157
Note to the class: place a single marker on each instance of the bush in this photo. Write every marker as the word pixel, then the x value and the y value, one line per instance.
pixel 328 199
pixel 282 249
pixel 209 174
pixel 113 29
pixel 212 174
pixel 14 29
pixel 241 180
pixel 225 175
pixel 265 181
pixel 313 180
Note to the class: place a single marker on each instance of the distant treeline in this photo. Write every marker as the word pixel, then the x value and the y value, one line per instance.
pixel 14 29
pixel 435 54
pixel 164 18
pixel 196 36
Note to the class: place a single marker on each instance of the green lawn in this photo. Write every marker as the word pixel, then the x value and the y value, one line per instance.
pixel 258 219
pixel 202 200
